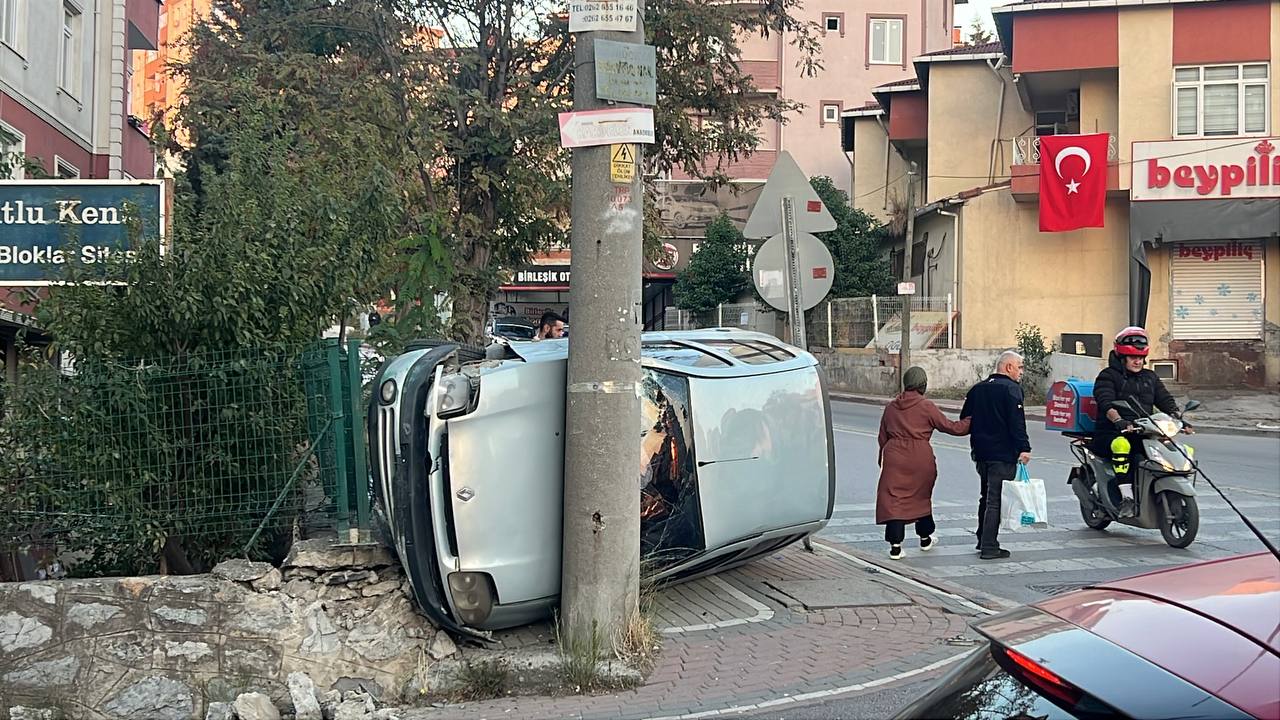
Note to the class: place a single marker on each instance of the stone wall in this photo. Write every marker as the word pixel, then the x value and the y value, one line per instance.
pixel 867 372
pixel 169 648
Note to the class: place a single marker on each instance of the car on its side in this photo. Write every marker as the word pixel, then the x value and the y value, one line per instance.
pixel 1198 641
pixel 735 460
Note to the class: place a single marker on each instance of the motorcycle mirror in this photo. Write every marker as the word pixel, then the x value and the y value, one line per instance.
pixel 1192 405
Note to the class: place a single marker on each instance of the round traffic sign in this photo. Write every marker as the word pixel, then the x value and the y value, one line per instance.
pixel 769 270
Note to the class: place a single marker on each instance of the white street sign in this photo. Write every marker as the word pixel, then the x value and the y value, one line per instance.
pixel 588 15
pixel 787 179
pixel 906 288
pixel 606 127
pixel 817 271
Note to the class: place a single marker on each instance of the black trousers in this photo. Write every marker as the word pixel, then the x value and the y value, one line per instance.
pixel 896 530
pixel 992 476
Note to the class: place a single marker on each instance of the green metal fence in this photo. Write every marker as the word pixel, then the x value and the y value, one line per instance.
pixel 203 456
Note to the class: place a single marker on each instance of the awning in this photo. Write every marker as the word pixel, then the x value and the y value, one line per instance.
pixel 1173 221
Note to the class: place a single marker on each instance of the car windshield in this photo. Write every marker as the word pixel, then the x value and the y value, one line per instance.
pixel 678 354
pixel 981 690
pixel 515 332
pixel 670 514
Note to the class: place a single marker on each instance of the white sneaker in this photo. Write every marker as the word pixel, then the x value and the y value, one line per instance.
pixel 928 543
pixel 895 552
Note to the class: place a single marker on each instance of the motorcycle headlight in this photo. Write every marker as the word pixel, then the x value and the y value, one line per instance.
pixel 453 396
pixel 1168 428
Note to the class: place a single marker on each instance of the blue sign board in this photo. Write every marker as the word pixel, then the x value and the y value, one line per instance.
pixel 44 224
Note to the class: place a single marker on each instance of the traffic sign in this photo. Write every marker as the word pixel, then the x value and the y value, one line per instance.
pixel 622 163
pixel 605 127
pixel 626 72
pixel 787 179
pixel 817 271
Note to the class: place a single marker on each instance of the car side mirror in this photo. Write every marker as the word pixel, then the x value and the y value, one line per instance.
pixel 1191 405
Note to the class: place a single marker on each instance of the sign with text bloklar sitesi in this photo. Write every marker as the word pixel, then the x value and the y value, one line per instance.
pixel 46 224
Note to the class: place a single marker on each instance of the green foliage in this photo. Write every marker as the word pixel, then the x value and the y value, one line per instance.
pixel 978 32
pixel 1036 356
pixel 717 273
pixel 860 268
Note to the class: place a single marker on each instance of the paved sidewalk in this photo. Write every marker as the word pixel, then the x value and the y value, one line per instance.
pixel 788 629
pixel 1255 413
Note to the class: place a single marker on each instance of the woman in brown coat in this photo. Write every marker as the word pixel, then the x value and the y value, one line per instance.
pixel 908 469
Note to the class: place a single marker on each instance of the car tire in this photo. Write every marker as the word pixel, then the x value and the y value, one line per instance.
pixel 1180 524
pixel 1094 517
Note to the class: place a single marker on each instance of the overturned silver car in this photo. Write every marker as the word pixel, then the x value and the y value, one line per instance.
pixel 468 464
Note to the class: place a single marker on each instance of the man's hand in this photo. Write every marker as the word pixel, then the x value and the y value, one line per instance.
pixel 1024 458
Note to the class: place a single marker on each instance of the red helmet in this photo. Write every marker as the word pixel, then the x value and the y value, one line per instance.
pixel 1132 341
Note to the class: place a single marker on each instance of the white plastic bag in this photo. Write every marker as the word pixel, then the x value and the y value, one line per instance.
pixel 1023 502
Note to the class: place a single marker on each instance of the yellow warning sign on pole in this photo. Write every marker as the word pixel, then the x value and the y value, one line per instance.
pixel 622 163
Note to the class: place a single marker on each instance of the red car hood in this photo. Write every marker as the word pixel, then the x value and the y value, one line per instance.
pixel 1242 593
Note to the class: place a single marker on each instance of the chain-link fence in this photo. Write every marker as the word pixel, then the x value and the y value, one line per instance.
pixel 862 322
pixel 190 458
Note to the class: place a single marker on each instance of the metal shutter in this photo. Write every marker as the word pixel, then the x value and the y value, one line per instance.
pixel 1217 300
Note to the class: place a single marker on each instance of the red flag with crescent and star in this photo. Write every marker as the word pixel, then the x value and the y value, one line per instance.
pixel 1073 181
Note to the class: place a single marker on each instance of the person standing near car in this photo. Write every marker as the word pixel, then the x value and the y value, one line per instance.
pixel 550 327
pixel 908 469
pixel 998 438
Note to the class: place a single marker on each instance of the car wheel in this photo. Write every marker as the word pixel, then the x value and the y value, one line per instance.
pixel 1094 517
pixel 1179 518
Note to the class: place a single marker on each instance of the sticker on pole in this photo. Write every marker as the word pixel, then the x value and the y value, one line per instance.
pixel 622 163
pixel 906 288
pixel 787 179
pixel 606 127
pixel 589 15
pixel 626 72
pixel 769 270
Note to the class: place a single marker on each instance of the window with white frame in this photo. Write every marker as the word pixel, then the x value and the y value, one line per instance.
pixel 830 113
pixel 69 51
pixel 10 21
pixel 1216 100
pixel 884 41
pixel 64 170
pixel 13 147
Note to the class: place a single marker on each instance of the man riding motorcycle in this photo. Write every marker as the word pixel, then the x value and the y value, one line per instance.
pixel 1126 378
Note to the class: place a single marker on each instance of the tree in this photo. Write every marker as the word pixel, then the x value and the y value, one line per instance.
pixel 467 113
pixel 860 268
pixel 717 273
pixel 978 32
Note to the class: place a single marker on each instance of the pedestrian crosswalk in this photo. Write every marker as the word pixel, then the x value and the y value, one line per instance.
pixel 1063 546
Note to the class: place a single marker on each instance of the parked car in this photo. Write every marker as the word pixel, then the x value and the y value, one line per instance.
pixel 510 328
pixel 1198 641
pixel 468 463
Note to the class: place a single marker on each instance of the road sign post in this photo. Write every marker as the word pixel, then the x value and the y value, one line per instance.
pixel 795 310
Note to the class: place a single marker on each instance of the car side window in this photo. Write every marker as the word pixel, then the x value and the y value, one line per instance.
pixel 678 354
pixel 751 352
pixel 670 511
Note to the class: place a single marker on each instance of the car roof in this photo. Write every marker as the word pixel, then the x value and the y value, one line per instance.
pixel 1241 593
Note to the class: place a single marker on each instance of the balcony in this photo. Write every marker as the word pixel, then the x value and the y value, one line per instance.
pixel 1024 170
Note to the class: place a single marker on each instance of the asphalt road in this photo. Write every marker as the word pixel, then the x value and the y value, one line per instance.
pixel 1065 553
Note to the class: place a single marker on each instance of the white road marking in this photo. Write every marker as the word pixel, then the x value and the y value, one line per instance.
pixel 763 612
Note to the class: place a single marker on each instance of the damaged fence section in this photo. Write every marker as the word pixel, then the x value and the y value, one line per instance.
pixel 174 463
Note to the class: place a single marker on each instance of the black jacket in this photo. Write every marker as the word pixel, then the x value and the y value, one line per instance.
pixel 1144 387
pixel 999 429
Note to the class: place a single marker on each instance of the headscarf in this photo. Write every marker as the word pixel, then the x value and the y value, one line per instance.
pixel 915 379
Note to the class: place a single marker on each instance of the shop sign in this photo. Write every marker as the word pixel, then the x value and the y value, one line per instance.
pixel 1206 169
pixel 538 276
pixel 1214 252
pixel 46 224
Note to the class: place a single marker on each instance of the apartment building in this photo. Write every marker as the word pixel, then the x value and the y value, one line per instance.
pixel 1187 92
pixel 156 92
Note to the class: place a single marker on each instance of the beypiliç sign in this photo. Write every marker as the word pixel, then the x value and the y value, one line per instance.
pixel 1206 169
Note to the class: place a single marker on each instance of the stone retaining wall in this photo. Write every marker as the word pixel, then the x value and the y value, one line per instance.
pixel 167 648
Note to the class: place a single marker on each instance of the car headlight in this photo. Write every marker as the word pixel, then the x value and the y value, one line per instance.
pixel 387 392
pixel 453 396
pixel 472 594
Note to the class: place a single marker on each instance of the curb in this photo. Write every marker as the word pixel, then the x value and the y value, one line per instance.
pixel 952 406
pixel 994 603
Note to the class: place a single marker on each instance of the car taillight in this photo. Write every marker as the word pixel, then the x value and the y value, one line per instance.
pixel 1043 678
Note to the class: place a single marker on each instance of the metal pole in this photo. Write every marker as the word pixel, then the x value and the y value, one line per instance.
pixel 356 438
pixel 600 572
pixel 794 302
pixel 337 414
pixel 720 315
pixel 904 351
pixel 831 337
pixel 951 324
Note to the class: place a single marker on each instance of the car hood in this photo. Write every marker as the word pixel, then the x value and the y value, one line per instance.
pixel 1242 593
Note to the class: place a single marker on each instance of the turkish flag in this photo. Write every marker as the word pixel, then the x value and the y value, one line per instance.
pixel 1073 181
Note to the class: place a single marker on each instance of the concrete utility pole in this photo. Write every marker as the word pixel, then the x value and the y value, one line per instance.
pixel 601 555
pixel 904 352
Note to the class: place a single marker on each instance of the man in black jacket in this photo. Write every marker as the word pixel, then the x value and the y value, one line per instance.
pixel 1126 378
pixel 998 437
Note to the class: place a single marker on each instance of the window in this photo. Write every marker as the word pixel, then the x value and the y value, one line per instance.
pixel 833 23
pixel 13 146
pixel 64 170
pixel 1219 100
pixel 884 41
pixel 830 113
pixel 69 52
pixel 11 19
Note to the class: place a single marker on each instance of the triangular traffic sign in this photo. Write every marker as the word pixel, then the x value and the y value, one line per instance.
pixel 787 179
